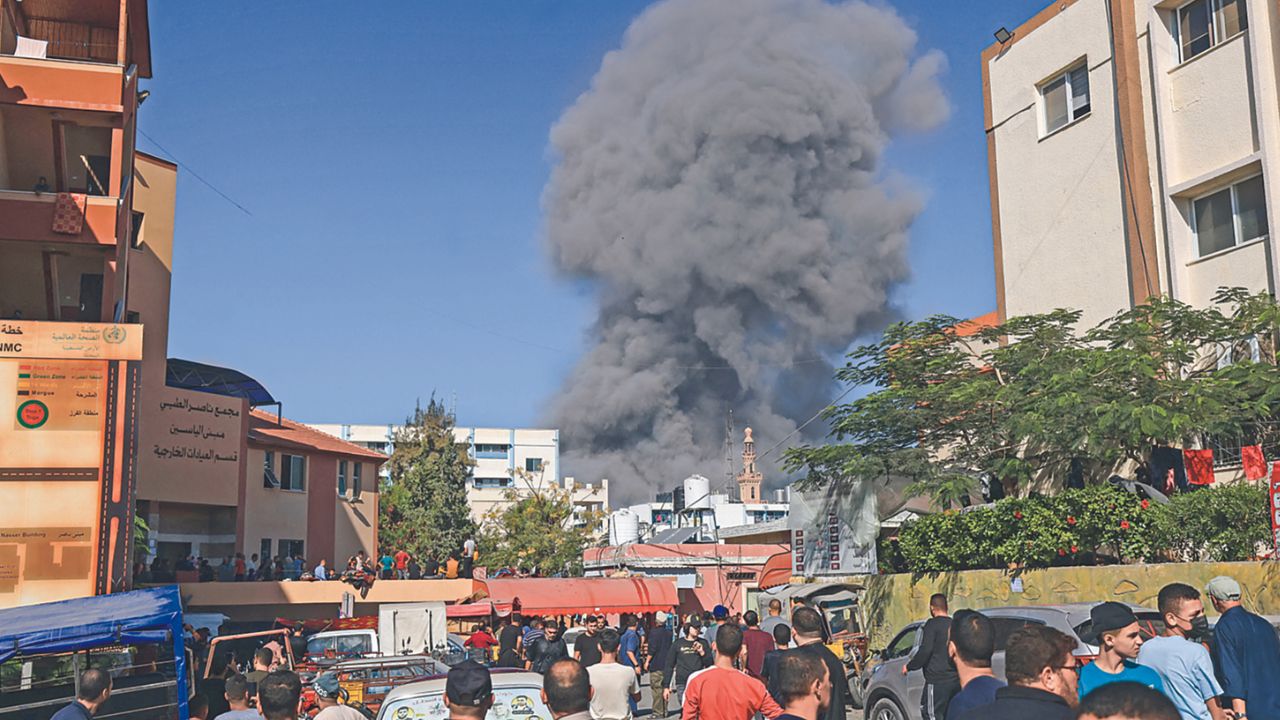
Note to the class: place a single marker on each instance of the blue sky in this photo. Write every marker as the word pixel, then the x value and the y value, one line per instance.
pixel 392 158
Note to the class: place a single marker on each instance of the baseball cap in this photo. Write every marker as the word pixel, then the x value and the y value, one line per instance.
pixel 1110 616
pixel 720 611
pixel 326 685
pixel 468 684
pixel 660 617
pixel 1223 588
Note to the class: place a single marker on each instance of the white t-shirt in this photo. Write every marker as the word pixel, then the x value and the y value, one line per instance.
pixel 339 712
pixel 613 684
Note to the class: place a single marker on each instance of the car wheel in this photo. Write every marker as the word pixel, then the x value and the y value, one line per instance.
pixel 857 700
pixel 885 709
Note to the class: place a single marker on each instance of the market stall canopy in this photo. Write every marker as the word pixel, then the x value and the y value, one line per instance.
pixel 776 571
pixel 558 596
pixel 480 609
pixel 141 616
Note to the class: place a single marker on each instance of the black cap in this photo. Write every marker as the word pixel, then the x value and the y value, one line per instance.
pixel 468 684
pixel 1111 616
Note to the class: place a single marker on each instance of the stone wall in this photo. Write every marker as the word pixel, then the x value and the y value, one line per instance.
pixel 892 601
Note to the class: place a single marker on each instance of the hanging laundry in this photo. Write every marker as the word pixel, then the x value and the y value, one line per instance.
pixel 1199 466
pixel 1255 466
pixel 68 213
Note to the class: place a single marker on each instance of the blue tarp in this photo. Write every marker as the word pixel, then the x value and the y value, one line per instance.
pixel 153 615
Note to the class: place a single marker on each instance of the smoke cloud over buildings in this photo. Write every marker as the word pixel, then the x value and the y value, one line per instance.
pixel 721 186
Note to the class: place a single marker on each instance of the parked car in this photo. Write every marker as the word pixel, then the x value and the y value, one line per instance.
pixel 516 697
pixel 890 695
pixel 367 681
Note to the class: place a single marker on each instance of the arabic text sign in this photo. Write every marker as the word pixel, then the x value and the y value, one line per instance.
pixel 70 340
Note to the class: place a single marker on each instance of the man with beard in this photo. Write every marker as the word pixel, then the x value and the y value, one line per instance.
pixel 1043 673
pixel 804 685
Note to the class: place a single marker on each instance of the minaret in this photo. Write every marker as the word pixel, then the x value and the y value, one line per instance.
pixel 749 479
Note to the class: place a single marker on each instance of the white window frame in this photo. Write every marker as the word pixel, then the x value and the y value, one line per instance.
pixel 1065 76
pixel 1216 32
pixel 1235 216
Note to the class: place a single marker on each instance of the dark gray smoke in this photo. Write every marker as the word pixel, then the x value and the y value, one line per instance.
pixel 721 186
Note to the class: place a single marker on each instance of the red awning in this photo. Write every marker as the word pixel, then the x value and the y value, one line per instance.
pixel 484 608
pixel 776 571
pixel 559 596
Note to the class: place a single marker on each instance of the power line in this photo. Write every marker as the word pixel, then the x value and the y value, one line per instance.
pixel 195 174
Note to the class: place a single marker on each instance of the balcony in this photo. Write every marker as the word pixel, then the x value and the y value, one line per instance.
pixel 71 55
pixel 43 152
pixel 55 282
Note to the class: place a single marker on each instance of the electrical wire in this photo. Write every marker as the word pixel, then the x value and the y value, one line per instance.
pixel 194 174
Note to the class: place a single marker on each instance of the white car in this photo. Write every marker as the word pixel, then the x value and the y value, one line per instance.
pixel 517 696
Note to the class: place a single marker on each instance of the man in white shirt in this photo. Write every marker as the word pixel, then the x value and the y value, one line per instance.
pixel 612 684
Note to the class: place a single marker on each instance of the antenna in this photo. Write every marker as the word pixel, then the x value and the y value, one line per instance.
pixel 728 455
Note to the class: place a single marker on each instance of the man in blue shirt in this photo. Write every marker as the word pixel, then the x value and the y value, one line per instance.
pixel 1181 661
pixel 1119 641
pixel 972 643
pixel 1246 654
pixel 629 652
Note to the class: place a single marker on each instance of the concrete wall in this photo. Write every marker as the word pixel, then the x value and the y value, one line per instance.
pixel 1061 213
pixel 892 601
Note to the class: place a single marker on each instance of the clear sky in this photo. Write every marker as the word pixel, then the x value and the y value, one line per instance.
pixel 391 157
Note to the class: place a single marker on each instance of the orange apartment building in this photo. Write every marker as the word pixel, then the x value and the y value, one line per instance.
pixel 95 422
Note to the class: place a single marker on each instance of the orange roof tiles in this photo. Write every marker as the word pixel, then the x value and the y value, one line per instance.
pixel 976 325
pixel 264 430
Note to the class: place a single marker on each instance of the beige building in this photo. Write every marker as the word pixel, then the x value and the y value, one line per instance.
pixel 521 459
pixel 1132 146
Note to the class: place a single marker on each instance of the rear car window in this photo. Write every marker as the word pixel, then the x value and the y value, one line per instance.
pixel 510 703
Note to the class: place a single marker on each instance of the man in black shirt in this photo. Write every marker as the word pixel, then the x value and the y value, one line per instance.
pixel 687 656
pixel 1043 674
pixel 941 683
pixel 547 649
pixel 806 627
pixel 586 648
pixel 508 642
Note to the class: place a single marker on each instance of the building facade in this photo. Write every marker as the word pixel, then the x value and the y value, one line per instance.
pixel 523 460
pixel 1132 148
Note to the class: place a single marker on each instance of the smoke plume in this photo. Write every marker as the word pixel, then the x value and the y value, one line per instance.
pixel 721 187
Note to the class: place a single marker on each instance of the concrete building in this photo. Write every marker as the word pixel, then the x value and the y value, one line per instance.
pixel 520 459
pixel 705 574
pixel 1132 148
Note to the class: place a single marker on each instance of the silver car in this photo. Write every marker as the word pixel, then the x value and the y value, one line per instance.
pixel 890 695
pixel 517 696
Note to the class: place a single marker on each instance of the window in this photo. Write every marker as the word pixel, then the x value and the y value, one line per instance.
pixel 1205 23
pixel 357 483
pixel 293 472
pixel 137 229
pixel 492 452
pixel 269 479
pixel 264 551
pixel 1229 217
pixel 1065 98
pixel 533 464
pixel 902 645
pixel 492 482
pixel 289 548
pixel 342 477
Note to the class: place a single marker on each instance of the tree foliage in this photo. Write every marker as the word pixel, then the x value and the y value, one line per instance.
pixel 423 507
pixel 1023 401
pixel 1101 524
pixel 537 530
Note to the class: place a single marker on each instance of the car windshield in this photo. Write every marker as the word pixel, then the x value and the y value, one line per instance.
pixel 340 645
pixel 510 703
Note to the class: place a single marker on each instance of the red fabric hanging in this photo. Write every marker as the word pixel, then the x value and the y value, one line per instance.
pixel 1199 466
pixel 1255 466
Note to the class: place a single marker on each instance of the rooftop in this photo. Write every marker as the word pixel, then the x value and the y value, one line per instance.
pixel 265 429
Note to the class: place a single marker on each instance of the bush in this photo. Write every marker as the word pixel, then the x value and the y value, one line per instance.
pixel 1221 524
pixel 1101 524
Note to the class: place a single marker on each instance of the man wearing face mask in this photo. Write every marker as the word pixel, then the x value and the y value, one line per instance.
pixel 1043 672
pixel 1181 661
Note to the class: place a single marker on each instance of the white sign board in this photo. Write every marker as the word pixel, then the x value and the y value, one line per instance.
pixel 834 530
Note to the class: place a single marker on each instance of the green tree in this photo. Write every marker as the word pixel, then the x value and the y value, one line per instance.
pixel 423 507
pixel 537 528
pixel 1027 400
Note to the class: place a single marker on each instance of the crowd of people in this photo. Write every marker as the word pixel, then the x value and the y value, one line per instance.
pixel 1178 674
pixel 361 570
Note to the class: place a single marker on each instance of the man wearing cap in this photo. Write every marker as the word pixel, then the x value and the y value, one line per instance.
pixel 1119 640
pixel 660 639
pixel 327 693
pixel 468 691
pixel 1246 654
pixel 721 615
